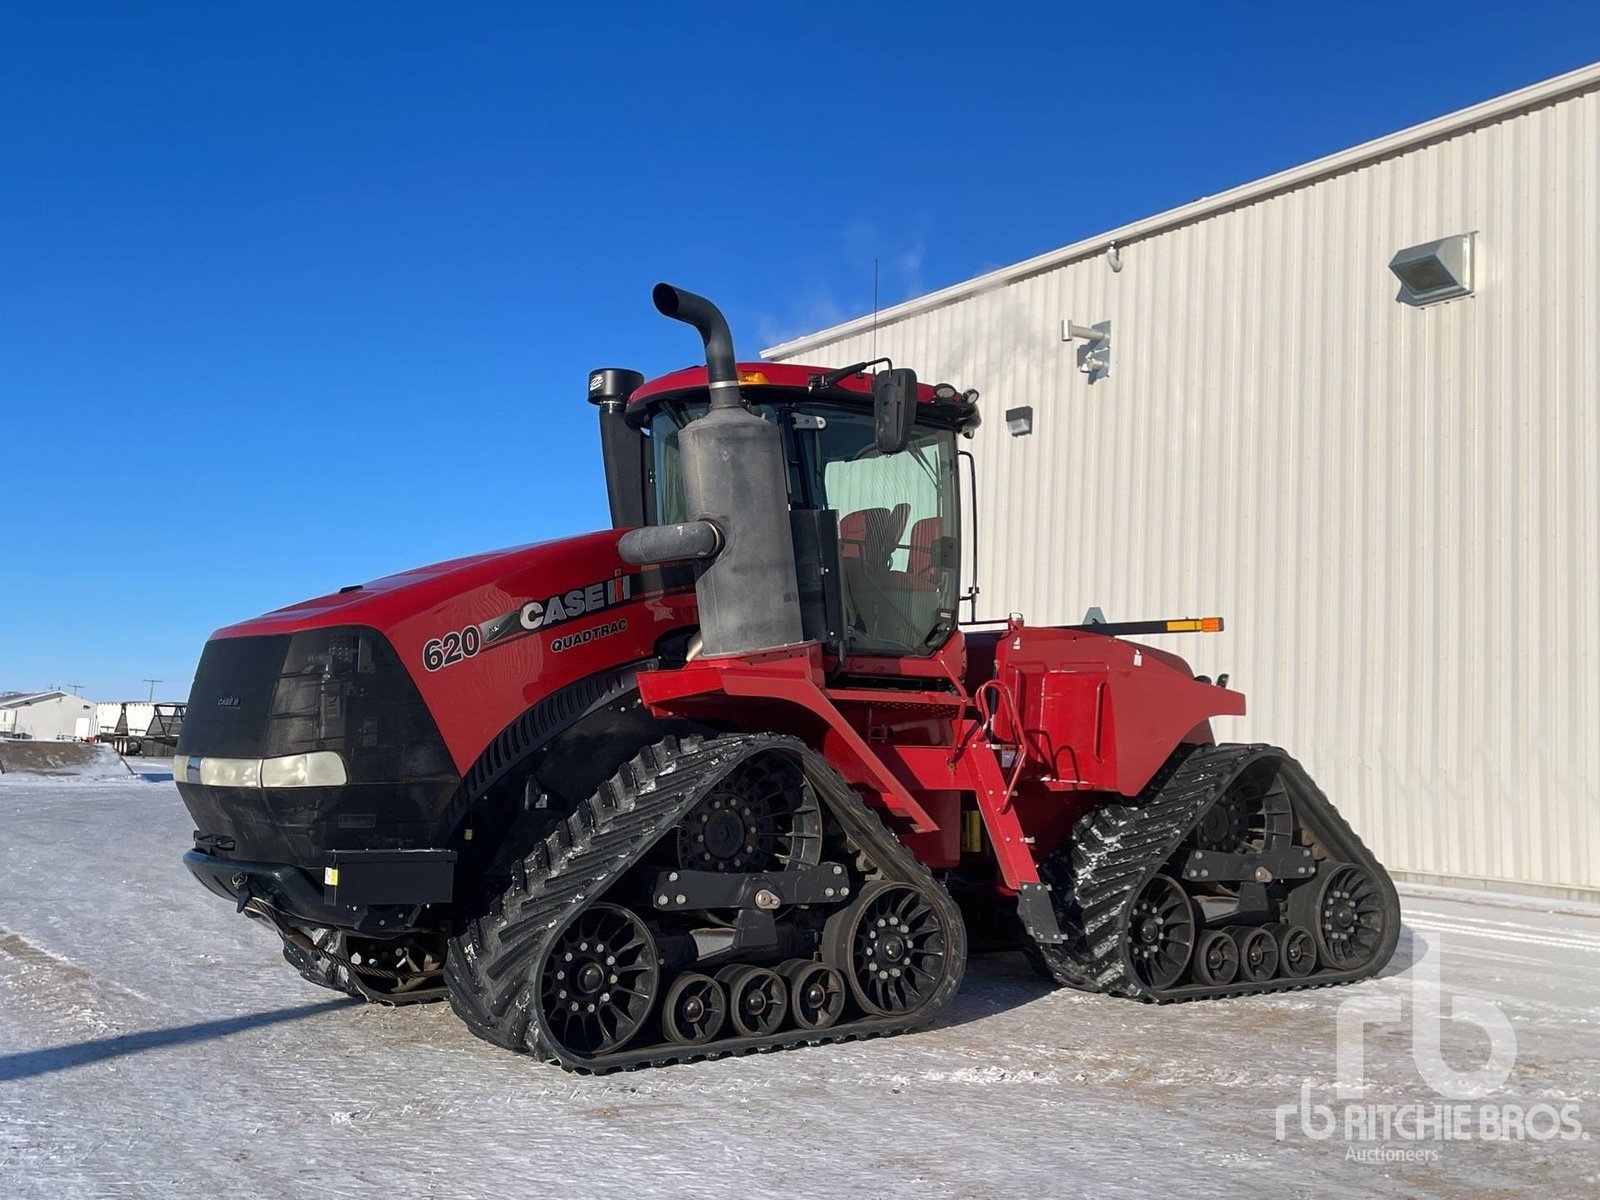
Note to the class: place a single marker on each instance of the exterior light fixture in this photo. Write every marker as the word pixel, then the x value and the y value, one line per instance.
pixel 1019 421
pixel 1094 347
pixel 1433 271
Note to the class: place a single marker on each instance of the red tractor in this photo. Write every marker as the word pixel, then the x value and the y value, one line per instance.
pixel 732 776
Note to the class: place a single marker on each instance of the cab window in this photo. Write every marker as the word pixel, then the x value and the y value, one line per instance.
pixel 897 529
pixel 898 523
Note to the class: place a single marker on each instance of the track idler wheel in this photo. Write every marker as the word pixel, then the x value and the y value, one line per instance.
pixel 816 993
pixel 1216 958
pixel 758 999
pixel 693 1010
pixel 1297 951
pixel 1258 952
pixel 1346 913
pixel 891 944
pixel 600 980
pixel 1161 932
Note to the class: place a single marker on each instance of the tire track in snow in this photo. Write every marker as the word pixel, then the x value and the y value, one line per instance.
pixel 49 975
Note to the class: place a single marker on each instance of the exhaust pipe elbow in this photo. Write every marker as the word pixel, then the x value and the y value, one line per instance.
pixel 707 319
pixel 653 544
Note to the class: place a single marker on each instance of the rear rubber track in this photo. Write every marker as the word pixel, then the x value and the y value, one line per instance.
pixel 1116 849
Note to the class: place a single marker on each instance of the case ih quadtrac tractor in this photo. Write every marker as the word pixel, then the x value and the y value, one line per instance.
pixel 731 776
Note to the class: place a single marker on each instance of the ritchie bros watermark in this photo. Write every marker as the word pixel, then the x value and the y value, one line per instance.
pixel 1461 1106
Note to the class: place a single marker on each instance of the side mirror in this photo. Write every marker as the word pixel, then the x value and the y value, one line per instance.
pixel 894 406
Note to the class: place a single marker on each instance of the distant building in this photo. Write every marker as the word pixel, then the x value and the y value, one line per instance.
pixel 47 716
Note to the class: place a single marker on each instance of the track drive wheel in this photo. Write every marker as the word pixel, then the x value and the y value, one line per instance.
pixel 762 817
pixel 1253 815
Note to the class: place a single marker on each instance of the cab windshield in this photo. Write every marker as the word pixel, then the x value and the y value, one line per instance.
pixel 898 523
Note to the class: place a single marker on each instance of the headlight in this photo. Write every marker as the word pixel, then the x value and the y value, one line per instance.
pixel 230 772
pixel 318 768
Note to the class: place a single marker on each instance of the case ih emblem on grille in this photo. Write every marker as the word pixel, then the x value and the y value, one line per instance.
pixel 227 702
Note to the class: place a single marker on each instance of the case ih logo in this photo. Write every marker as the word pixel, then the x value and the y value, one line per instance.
pixel 227 702
pixel 579 602
pixel 460 644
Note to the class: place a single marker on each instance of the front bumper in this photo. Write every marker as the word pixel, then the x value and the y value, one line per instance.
pixel 377 893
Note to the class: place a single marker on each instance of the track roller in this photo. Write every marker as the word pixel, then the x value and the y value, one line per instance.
pixel 758 999
pixel 1216 958
pixel 817 993
pixel 1258 952
pixel 693 1010
pixel 1297 951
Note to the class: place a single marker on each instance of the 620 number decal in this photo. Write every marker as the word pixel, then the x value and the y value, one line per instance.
pixel 441 652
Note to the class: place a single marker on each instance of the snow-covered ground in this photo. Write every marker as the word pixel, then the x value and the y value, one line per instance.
pixel 153 1043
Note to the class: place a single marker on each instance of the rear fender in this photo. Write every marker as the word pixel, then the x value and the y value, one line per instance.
pixel 1100 713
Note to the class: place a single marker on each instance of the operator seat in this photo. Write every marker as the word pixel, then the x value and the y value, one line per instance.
pixel 870 536
pixel 868 539
pixel 922 566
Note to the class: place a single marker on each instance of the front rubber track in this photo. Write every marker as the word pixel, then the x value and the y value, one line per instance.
pixel 492 965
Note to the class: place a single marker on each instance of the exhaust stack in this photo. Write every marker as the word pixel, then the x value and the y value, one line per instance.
pixel 734 479
pixel 621 448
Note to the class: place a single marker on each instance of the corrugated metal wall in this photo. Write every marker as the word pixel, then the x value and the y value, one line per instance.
pixel 1397 509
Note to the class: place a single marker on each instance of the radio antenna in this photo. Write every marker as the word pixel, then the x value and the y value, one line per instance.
pixel 874 308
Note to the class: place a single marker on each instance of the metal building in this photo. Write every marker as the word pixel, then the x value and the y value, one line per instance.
pixel 47 716
pixel 1391 490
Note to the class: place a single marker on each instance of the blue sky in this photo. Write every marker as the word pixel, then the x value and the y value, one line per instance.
pixel 296 295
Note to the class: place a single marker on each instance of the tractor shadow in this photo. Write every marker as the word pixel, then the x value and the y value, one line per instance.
pixel 31 1063
pixel 996 981
pixel 1406 952
pixel 1000 980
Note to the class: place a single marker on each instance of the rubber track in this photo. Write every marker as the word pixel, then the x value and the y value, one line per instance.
pixel 1116 849
pixel 492 966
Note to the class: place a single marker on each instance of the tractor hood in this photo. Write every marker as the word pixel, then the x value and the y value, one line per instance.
pixel 481 639
pixel 380 603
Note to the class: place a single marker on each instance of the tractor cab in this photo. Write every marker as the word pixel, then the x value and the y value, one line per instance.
pixel 871 477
